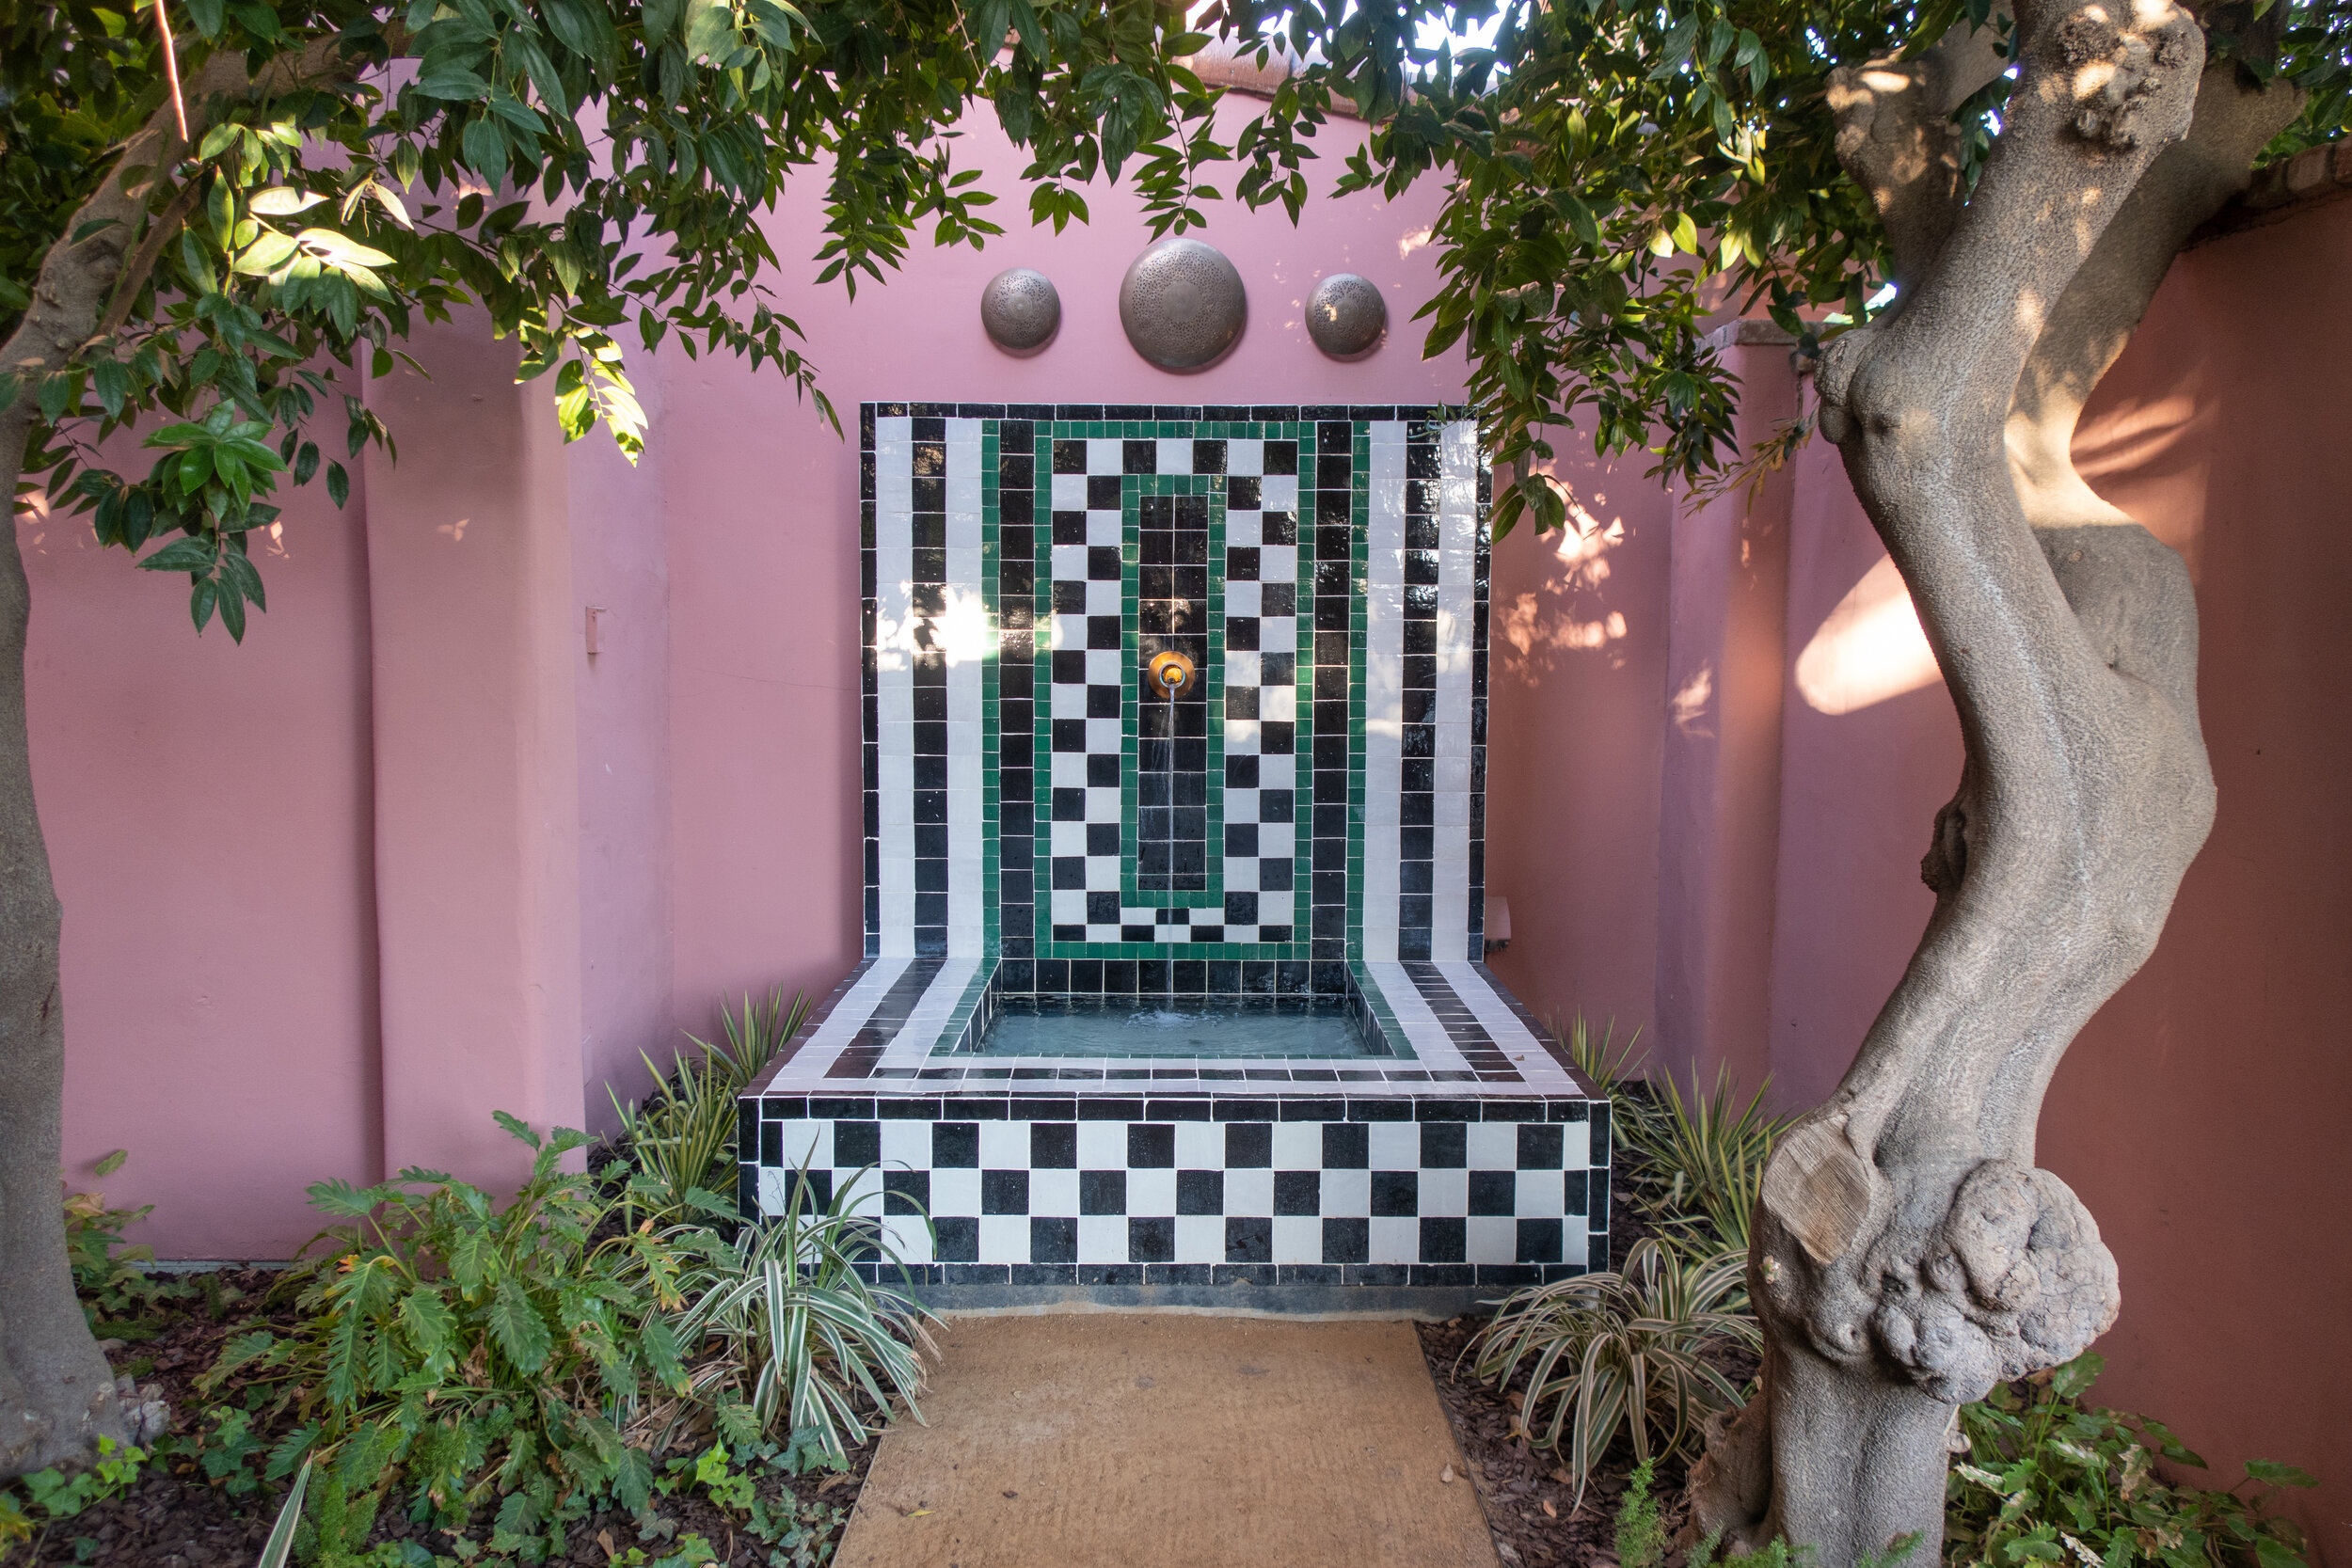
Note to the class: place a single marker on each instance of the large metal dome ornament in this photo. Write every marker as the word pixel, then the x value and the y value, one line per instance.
pixel 1183 305
pixel 1022 310
pixel 1346 316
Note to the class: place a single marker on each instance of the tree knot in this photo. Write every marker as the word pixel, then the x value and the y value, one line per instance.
pixel 2012 1280
pixel 2113 73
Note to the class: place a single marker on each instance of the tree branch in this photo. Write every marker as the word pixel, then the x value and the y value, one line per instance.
pixel 1895 137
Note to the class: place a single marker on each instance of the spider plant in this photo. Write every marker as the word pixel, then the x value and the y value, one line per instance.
pixel 1695 1163
pixel 1607 1350
pixel 783 1333
pixel 682 1135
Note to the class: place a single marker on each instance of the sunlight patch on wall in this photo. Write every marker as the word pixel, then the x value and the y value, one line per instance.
pixel 1868 649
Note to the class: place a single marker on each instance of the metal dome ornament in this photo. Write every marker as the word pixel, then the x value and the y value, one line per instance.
pixel 1183 305
pixel 1346 317
pixel 1022 310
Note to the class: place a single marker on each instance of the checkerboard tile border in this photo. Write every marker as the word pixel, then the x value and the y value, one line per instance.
pixel 1045 1188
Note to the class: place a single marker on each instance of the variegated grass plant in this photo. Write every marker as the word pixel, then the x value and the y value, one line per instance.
pixel 1694 1164
pixel 1608 1352
pixel 783 1333
pixel 681 1137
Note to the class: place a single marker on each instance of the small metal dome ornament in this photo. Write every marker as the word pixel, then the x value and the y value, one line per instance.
pixel 1345 316
pixel 1021 310
pixel 1183 305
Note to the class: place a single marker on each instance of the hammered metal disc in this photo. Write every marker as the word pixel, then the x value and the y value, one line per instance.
pixel 1021 310
pixel 1183 305
pixel 1345 316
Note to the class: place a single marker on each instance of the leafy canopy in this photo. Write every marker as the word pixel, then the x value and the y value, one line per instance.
pixel 1621 174
pixel 584 171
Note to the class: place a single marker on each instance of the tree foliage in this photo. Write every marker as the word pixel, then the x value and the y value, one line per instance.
pixel 1621 175
pixel 590 172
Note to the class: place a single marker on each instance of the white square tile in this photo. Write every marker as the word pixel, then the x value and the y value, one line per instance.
pixel 1277 564
pixel 955 1191
pixel 1104 528
pixel 1102 801
pixel 1004 1146
pixel 1068 838
pixel 1299 1146
pixel 1070 491
pixel 1245 528
pixel 1241 805
pixel 1276 492
pixel 1102 1145
pixel 1151 1192
pixel 1393 1241
pixel 1003 1237
pixel 906 1145
pixel 1175 456
pixel 1070 768
pixel 1104 456
pixel 1105 667
pixel 908 1237
pixel 1102 1238
pixel 1395 1145
pixel 1494 1145
pixel 1298 1239
pixel 1245 457
pixel 1200 1238
pixel 1249 1192
pixel 1575 1248
pixel 1278 703
pixel 1538 1196
pixel 1103 598
pixel 1102 736
pixel 1492 1240
pixel 1346 1194
pixel 858 1192
pixel 807 1143
pixel 1242 598
pixel 1444 1193
pixel 1053 1192
pixel 1070 906
pixel 1199 1144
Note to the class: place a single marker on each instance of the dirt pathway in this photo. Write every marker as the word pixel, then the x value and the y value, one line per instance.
pixel 1072 1441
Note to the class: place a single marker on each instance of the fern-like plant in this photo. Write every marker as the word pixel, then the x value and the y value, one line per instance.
pixel 1608 1352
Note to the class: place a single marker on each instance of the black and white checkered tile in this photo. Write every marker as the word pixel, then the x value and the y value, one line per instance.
pixel 1180 1186
pixel 1253 865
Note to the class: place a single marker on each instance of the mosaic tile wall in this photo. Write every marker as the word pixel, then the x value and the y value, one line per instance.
pixel 1316 801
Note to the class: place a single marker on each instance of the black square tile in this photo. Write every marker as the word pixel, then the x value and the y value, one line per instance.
pixel 1492 1192
pixel 1539 1241
pixel 906 1192
pixel 1539 1146
pixel 1395 1193
pixel 1346 1146
pixel 1572 1200
pixel 1249 1145
pixel 1151 1241
pixel 1004 1192
pixel 1200 1192
pixel 1298 1191
pixel 1444 1240
pixel 956 1146
pixel 856 1143
pixel 1054 1241
pixel 1054 1146
pixel 1151 1148
pixel 1445 1146
pixel 959 1240
pixel 1248 1239
pixel 1102 1191
pixel 1347 1241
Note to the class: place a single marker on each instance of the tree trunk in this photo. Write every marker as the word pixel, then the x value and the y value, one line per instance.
pixel 1908 1255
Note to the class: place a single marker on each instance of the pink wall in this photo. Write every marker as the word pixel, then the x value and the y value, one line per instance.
pixel 208 809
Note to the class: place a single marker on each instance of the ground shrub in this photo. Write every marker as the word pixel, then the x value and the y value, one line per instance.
pixel 681 1137
pixel 2048 1479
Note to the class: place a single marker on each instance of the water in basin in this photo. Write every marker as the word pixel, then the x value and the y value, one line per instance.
pixel 1128 1030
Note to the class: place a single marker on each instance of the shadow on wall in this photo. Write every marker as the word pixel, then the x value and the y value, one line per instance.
pixel 1536 630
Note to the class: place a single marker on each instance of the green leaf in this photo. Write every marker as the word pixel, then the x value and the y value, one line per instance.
pixel 338 484
pixel 266 255
pixel 283 201
pixel 112 379
pixel 452 82
pixel 184 555
pixel 2261 1469
pixel 208 15
pixel 521 1333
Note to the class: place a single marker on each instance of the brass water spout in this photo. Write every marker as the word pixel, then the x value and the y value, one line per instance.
pixel 1172 674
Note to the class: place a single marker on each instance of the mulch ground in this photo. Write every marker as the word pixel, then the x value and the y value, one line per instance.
pixel 173 1517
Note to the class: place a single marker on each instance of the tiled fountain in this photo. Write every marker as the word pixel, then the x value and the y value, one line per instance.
pixel 1175 985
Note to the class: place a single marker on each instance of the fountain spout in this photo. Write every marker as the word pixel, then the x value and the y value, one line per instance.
pixel 1172 674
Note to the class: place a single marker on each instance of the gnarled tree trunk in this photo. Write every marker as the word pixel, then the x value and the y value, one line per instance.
pixel 1908 1255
